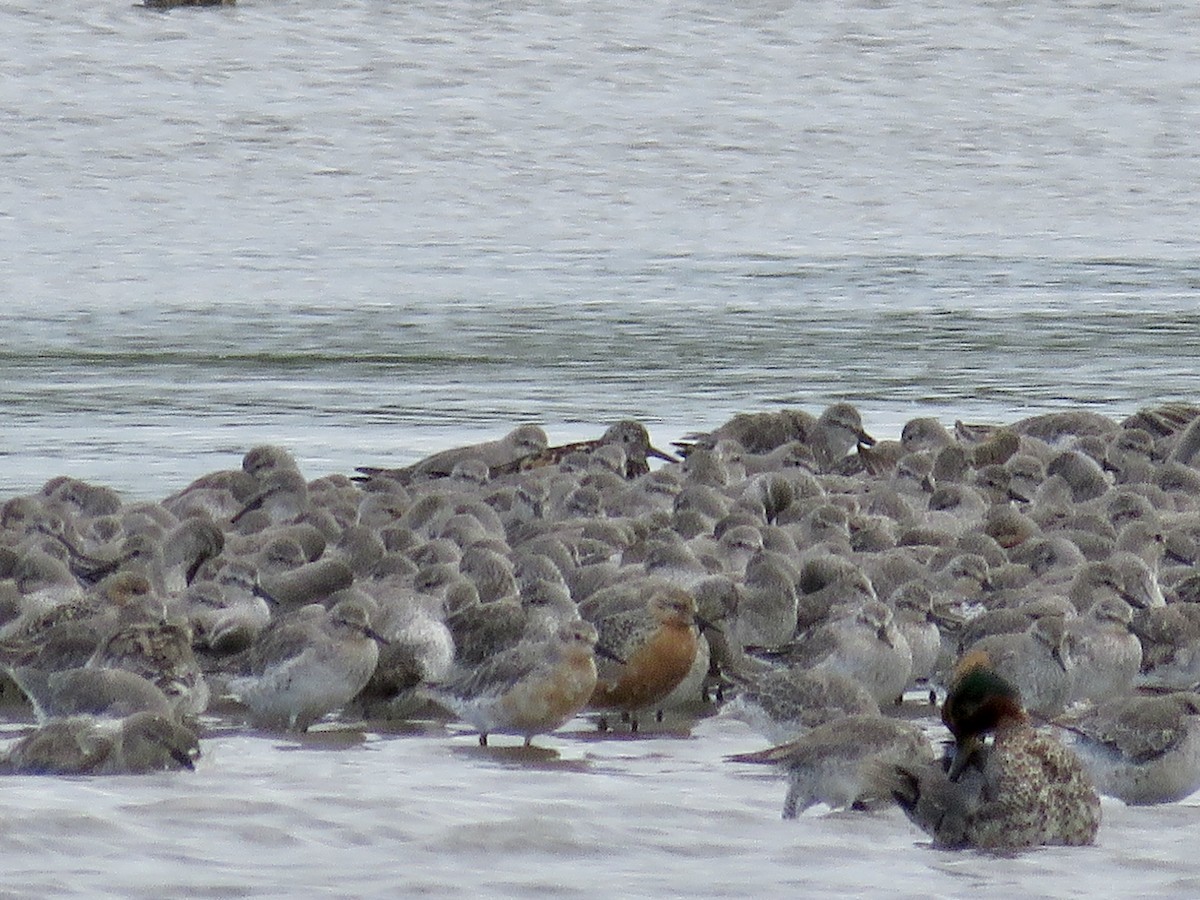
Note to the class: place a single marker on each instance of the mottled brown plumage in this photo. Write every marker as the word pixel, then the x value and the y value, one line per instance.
pixel 631 436
pixel 1023 790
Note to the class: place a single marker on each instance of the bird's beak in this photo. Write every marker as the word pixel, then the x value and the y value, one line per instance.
pixel 604 652
pixel 184 759
pixel 966 751
pixel 659 454
pixel 376 636
pixel 259 591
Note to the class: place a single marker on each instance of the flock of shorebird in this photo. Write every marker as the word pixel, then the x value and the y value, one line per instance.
pixel 1040 577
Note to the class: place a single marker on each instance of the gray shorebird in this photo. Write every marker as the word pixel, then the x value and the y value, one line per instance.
pixel 1037 662
pixel 832 763
pixel 783 703
pixel 103 693
pixel 1142 749
pixel 307 665
pixel 864 645
pixel 1106 655
pixel 830 436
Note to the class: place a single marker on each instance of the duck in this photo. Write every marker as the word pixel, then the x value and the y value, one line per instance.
pixel 1004 785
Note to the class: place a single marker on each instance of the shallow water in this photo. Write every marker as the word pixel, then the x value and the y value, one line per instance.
pixel 430 812
pixel 368 231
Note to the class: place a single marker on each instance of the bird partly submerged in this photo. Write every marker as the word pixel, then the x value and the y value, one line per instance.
pixel 832 763
pixel 1006 785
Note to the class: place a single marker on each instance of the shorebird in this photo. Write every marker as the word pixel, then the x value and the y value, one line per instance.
pixel 1037 662
pixel 914 618
pixel 308 664
pixel 1053 427
pixel 419 650
pixel 925 433
pixel 767 604
pixel 521 442
pixel 104 693
pixel 43 581
pixel 832 763
pixel 783 703
pixel 82 745
pixel 227 613
pixel 829 436
pixel 186 548
pixel 160 652
pixel 123 597
pixel 1106 655
pixel 529 689
pixel 627 434
pixel 171 4
pixel 646 652
pixel 1140 749
pixel 311 582
pixel 864 645
pixel 281 498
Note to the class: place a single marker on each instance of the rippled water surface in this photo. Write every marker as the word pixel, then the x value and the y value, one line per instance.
pixel 370 230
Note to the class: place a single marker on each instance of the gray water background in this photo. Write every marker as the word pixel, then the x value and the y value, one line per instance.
pixel 371 230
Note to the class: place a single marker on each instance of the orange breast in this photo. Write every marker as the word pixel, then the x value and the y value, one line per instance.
pixel 651 672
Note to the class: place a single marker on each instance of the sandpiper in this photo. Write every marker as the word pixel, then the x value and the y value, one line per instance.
pixel 1141 749
pixel 783 703
pixel 83 745
pixel 309 664
pixel 648 652
pixel 527 690
pixel 522 441
pixel 832 763
pixel 628 434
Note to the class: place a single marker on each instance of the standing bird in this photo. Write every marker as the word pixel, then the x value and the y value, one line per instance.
pixel 529 689
pixel 308 664
pixel 1037 662
pixel 865 645
pixel 1141 749
pixel 649 651
pixel 783 703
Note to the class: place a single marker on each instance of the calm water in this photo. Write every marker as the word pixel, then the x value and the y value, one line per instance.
pixel 370 230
